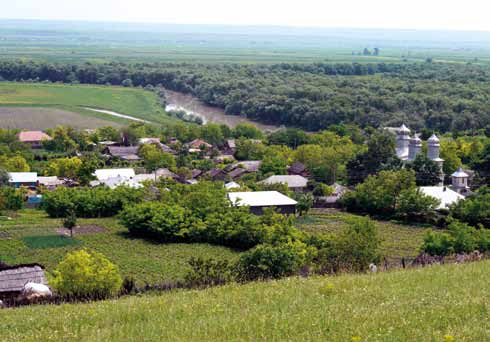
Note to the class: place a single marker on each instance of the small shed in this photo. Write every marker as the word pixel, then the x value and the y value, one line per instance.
pixel 258 200
pixel 13 278
pixel 18 179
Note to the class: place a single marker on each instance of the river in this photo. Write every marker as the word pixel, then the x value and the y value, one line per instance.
pixel 192 105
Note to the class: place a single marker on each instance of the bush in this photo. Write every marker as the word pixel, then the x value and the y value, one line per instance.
pixel 437 243
pixel 460 238
pixel 475 209
pixel 11 199
pixel 272 262
pixel 86 276
pixel 208 272
pixel 358 244
pixel 90 202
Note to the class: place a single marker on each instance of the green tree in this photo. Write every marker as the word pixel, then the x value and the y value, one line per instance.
pixel 379 194
pixel 248 131
pixel 64 167
pixel 14 164
pixel 155 158
pixel 275 165
pixel 427 172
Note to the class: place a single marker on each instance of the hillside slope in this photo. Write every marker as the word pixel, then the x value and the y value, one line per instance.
pixel 416 305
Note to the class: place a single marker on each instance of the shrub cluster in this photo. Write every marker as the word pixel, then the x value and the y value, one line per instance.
pixel 459 238
pixel 86 276
pixel 88 202
pixel 11 199
pixel 234 227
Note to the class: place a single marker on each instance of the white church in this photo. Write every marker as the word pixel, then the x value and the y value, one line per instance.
pixel 408 148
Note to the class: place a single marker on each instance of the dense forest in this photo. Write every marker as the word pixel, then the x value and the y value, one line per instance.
pixel 438 96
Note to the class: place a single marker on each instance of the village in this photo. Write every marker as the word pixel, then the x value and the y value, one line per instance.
pixel 288 181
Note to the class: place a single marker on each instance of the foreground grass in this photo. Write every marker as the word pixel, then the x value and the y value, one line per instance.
pixel 145 261
pixel 129 101
pixel 413 305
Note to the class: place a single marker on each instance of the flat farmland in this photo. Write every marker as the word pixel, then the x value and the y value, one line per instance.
pixel 54 104
pixel 35 118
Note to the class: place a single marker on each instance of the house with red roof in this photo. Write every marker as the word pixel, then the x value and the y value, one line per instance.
pixel 33 138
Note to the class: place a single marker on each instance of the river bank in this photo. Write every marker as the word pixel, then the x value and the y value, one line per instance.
pixel 191 105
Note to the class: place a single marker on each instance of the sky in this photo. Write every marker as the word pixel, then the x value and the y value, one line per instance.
pixel 405 14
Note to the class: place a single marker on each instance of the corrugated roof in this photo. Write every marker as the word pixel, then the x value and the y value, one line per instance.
pixel 13 279
pixel 103 174
pixel 260 199
pixel 292 181
pixel 123 151
pixel 23 177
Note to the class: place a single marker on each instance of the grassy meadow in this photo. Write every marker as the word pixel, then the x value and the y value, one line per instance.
pixel 422 305
pixel 397 240
pixel 73 98
pixel 31 236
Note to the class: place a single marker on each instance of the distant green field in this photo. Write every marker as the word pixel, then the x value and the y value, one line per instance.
pixel 419 305
pixel 72 98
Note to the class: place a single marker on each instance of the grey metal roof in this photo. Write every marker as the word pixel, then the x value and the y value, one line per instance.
pixel 13 279
pixel 292 181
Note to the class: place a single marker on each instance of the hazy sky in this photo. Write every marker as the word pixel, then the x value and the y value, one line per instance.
pixel 417 14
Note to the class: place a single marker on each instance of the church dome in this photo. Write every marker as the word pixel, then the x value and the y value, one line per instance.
pixel 403 129
pixel 460 174
pixel 433 139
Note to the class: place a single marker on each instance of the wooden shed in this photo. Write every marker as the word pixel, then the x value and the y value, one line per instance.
pixel 13 279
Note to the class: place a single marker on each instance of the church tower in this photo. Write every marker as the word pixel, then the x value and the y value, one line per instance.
pixel 402 142
pixel 433 146
pixel 414 147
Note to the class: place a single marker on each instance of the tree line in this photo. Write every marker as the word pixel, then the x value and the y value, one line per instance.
pixel 440 97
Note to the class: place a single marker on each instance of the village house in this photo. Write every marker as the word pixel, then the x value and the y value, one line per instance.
pixel 299 169
pixel 237 173
pixel 229 147
pixel 258 200
pixel 215 175
pixel 198 145
pixel 331 201
pixel 13 279
pixel 294 182
pixel 27 179
pixel 156 141
pixel 250 165
pixel 33 138
pixel 128 153
pixel 50 183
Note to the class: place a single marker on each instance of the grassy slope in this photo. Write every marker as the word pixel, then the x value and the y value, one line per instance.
pixel 144 260
pixel 415 305
pixel 133 102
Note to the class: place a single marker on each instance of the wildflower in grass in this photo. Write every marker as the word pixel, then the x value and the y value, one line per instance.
pixel 448 338
pixel 327 289
pixel 356 339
